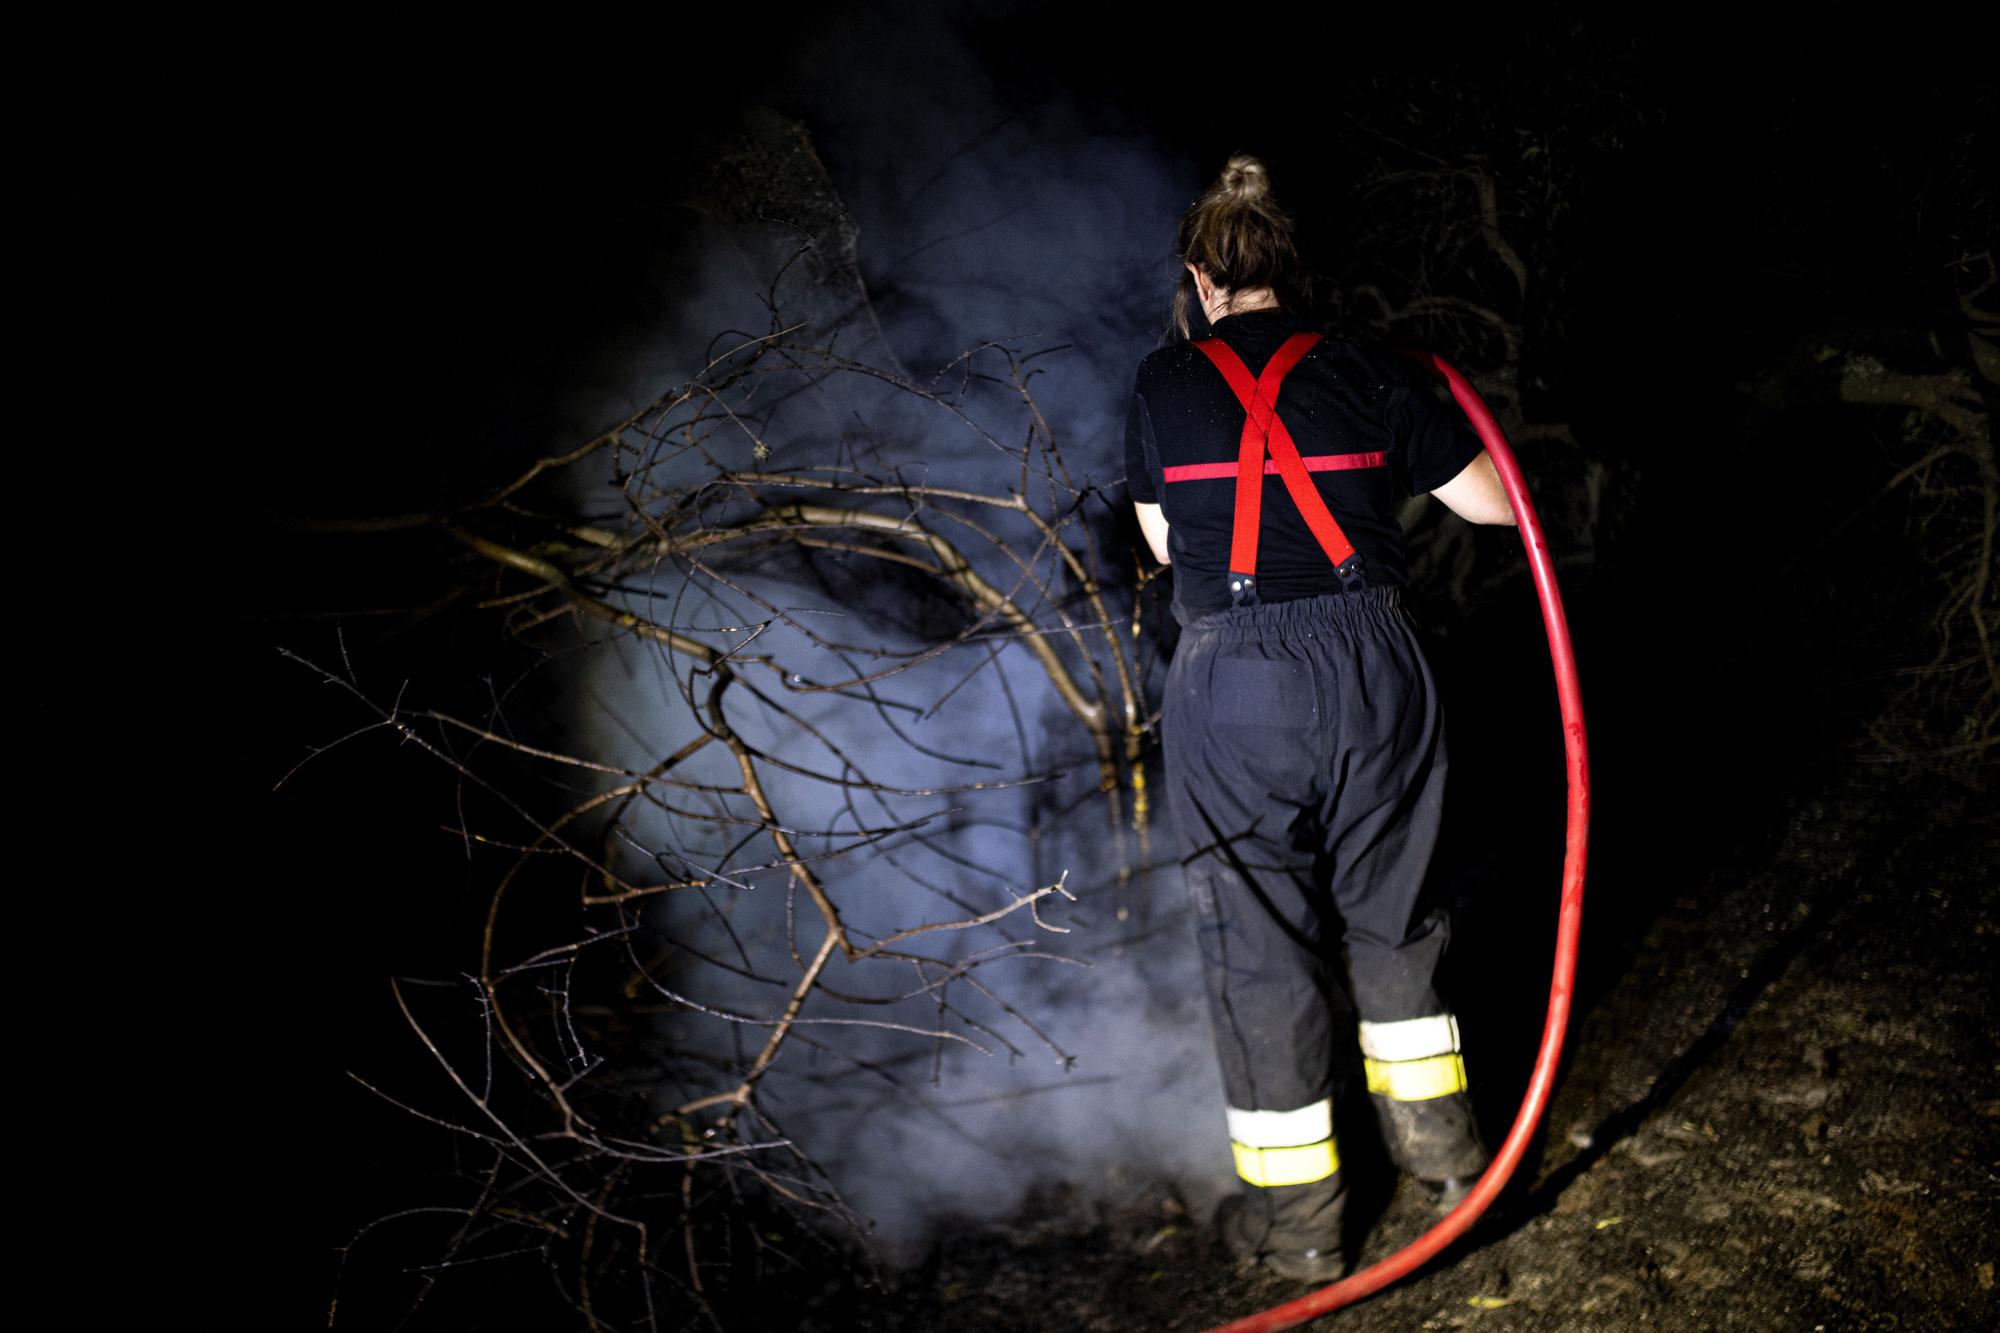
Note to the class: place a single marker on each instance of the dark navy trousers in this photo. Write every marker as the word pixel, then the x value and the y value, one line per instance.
pixel 1305 770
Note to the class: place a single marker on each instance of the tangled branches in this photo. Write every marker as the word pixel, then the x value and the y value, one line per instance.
pixel 1944 714
pixel 746 875
pixel 1931 386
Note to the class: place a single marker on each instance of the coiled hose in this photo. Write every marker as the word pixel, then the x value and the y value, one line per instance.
pixel 1455 1224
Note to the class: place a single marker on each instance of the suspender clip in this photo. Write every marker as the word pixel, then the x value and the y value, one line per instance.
pixel 1242 589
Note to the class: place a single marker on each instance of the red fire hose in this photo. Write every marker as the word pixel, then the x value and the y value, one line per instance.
pixel 1420 1251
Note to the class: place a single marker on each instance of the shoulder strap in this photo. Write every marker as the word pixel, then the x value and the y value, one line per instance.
pixel 1262 425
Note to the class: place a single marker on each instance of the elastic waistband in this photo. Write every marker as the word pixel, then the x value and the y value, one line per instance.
pixel 1299 615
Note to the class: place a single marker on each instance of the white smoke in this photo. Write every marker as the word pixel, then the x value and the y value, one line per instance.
pixel 977 222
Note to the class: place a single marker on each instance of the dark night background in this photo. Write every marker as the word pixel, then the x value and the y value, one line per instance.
pixel 432 261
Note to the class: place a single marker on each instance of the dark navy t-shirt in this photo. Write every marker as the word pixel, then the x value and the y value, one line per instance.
pixel 1337 400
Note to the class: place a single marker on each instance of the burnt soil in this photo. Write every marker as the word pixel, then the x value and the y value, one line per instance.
pixel 1779 1112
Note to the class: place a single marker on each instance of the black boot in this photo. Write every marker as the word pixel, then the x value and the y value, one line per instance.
pixel 1293 1230
pixel 1437 1141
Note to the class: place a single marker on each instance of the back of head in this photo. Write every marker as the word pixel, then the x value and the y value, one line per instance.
pixel 1241 238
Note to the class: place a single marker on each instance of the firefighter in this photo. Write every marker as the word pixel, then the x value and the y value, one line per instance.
pixel 1304 747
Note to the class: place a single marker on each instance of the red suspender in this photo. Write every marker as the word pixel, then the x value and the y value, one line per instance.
pixel 1261 425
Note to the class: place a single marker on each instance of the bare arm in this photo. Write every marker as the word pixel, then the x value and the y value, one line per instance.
pixel 1154 524
pixel 1475 494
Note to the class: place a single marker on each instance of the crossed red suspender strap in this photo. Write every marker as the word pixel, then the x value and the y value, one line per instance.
pixel 1262 425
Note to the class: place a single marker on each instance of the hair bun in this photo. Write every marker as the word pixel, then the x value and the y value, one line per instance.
pixel 1245 177
pixel 1239 236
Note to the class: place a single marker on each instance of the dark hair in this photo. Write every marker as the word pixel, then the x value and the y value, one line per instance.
pixel 1238 235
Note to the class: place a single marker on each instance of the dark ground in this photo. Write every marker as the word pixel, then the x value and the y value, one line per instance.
pixel 1782 1116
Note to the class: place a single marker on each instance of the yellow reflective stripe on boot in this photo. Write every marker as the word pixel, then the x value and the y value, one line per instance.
pixel 1286 1166
pixel 1290 1147
pixel 1417 1080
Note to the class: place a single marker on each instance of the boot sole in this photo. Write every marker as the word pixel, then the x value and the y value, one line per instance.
pixel 1303 1268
